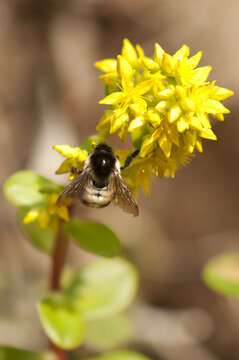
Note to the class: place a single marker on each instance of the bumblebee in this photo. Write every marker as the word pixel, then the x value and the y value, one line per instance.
pixel 101 182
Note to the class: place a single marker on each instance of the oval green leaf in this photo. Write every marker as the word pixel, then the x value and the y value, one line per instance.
pixel 121 355
pixel 23 188
pixel 109 332
pixel 62 324
pixel 103 288
pixel 221 274
pixel 42 239
pixel 94 237
pixel 11 353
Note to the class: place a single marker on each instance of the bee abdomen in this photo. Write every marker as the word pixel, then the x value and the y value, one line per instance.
pixel 97 198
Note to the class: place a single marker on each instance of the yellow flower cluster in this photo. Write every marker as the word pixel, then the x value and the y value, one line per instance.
pixel 165 103
pixel 49 215
pixel 75 157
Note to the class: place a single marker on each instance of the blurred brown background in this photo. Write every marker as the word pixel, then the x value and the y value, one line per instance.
pixel 49 95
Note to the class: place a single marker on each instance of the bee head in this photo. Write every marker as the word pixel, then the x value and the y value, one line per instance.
pixel 104 148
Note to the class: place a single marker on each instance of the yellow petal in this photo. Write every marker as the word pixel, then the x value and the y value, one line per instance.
pixel 140 50
pixel 109 79
pixel 143 87
pixel 187 104
pixel 195 123
pixel 136 123
pixel 158 52
pixel 168 63
pixel 43 219
pixel 139 107
pixel 112 99
pixel 173 135
pixel 165 145
pixel 180 91
pixel 174 113
pixel 123 132
pixel 147 146
pixel 161 106
pixel 203 118
pixel 82 155
pixel 105 120
pixel 128 51
pixel 31 216
pixel 65 167
pixel 182 125
pixel 199 145
pixel 219 93
pixel 150 64
pixel 165 94
pixel 107 65
pixel 71 152
pixel 63 213
pixel 118 121
pixel 214 107
pixel 156 134
pixel 125 70
pixel 52 198
pixel 201 74
pixel 194 60
pixel 182 53
pixel 219 117
pixel 154 118
pixel 208 134
pixel 145 181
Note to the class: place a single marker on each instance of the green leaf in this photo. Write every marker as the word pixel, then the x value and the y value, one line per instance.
pixel 109 332
pixel 103 288
pixel 88 143
pixel 43 239
pixel 121 355
pixel 93 237
pixel 61 322
pixel 23 188
pixel 221 274
pixel 11 353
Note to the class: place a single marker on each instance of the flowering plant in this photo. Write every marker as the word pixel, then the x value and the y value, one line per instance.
pixel 165 104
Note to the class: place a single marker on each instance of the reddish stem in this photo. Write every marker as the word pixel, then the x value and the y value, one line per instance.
pixel 61 354
pixel 58 261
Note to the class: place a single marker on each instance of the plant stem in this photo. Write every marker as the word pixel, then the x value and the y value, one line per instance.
pixel 58 261
pixel 61 354
pixel 58 258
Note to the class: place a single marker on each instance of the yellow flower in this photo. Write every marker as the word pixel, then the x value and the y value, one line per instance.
pixel 128 98
pixel 75 158
pixel 48 216
pixel 165 102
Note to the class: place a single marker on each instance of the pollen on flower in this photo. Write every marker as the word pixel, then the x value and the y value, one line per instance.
pixel 165 103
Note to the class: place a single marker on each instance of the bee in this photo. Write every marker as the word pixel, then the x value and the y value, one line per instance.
pixel 101 182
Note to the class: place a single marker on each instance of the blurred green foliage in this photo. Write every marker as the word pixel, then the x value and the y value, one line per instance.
pixel 221 274
pixel 91 307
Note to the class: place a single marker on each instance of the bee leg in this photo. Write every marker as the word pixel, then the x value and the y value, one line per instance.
pixel 129 159
pixel 75 171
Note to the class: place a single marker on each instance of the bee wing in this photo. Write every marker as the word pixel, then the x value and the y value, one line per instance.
pixel 124 198
pixel 73 190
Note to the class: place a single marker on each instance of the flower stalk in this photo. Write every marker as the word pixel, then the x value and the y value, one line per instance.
pixel 58 261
